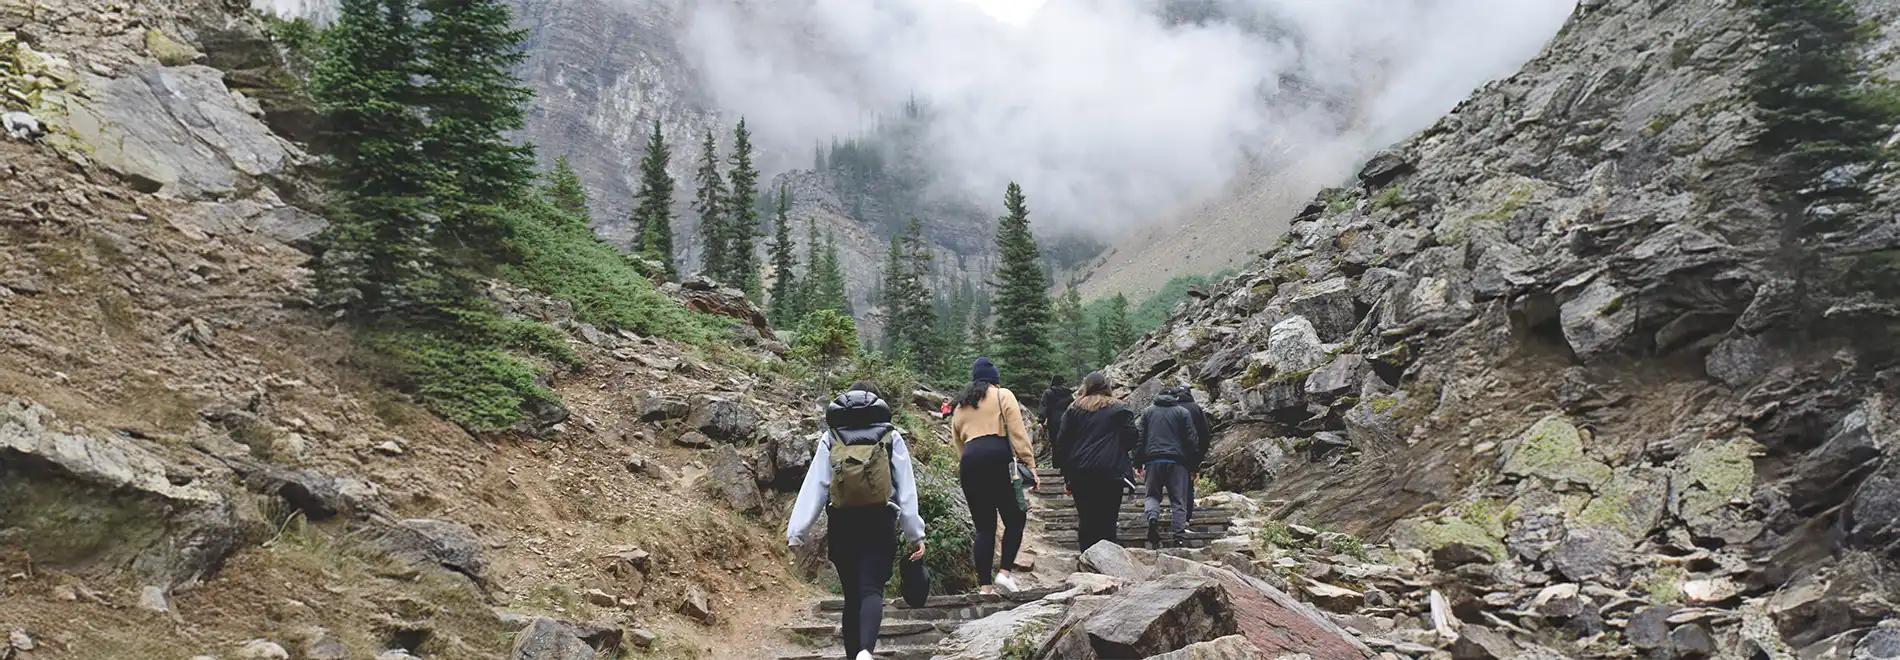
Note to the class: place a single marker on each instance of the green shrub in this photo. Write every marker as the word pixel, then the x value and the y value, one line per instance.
pixel 1348 545
pixel 479 387
pixel 1021 645
pixel 1273 534
pixel 948 531
pixel 826 337
pixel 560 256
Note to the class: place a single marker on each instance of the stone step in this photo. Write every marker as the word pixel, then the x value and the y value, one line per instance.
pixel 901 632
pixel 883 653
pixel 1195 539
pixel 955 601
pixel 1141 528
pixel 1137 513
pixel 952 614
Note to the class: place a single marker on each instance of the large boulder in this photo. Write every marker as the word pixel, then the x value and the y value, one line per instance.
pixel 176 130
pixel 1553 449
pixel 1595 318
pixel 1329 306
pixel 103 502
pixel 1293 346
pixel 1231 647
pixel 986 638
pixel 1159 616
pixel 317 496
pixel 1115 561
pixel 723 419
pixel 707 297
pixel 450 545
pixel 1274 621
pixel 1710 487
pixel 791 457
pixel 734 481
pixel 656 407
pixel 1241 463
pixel 547 639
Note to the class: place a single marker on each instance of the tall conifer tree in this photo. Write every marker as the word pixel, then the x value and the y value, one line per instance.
pixel 654 215
pixel 564 190
pixel 1076 334
pixel 376 254
pixel 1022 349
pixel 785 310
pixel 469 50
pixel 828 287
pixel 742 217
pixel 1112 331
pixel 710 202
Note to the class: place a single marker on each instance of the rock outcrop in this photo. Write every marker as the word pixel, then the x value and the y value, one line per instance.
pixel 1567 363
pixel 104 503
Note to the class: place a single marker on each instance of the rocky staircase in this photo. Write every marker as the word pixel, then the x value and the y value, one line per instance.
pixel 1059 522
pixel 907 633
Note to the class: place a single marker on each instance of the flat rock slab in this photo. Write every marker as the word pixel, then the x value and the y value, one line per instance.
pixel 1159 616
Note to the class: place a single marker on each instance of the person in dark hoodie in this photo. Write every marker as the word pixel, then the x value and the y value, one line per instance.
pixel 1184 397
pixel 1168 454
pixel 1055 401
pixel 1097 432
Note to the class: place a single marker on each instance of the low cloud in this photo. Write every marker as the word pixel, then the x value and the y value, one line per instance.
pixel 1105 111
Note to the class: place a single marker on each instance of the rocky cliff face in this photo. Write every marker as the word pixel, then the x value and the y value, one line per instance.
pixel 1554 340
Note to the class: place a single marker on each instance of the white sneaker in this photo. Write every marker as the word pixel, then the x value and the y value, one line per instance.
pixel 1005 581
pixel 865 655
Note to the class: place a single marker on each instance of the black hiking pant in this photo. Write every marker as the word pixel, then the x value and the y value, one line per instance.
pixel 1098 505
pixel 984 474
pixel 1179 484
pixel 863 548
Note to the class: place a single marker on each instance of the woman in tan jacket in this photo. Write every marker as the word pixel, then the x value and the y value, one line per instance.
pixel 988 430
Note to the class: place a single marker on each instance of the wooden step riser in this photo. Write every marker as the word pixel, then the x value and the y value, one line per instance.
pixel 1070 531
pixel 932 615
pixel 883 653
pixel 1009 600
pixel 1128 517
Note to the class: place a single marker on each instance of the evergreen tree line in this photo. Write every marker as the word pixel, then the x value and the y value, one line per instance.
pixel 429 198
pixel 935 331
pixel 728 206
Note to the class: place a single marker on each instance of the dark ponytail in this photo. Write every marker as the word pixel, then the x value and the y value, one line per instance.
pixel 973 395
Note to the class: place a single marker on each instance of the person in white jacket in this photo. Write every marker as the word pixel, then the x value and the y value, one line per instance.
pixel 863 539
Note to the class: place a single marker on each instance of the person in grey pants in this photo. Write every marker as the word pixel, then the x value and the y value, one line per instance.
pixel 1168 455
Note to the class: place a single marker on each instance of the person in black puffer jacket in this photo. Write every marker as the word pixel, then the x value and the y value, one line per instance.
pixel 1170 453
pixel 1097 433
pixel 1184 397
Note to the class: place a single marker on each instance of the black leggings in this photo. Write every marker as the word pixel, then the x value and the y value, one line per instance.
pixel 1098 505
pixel 863 547
pixel 984 474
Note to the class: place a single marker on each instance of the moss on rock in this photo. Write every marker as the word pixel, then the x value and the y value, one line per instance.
pixel 1552 449
pixel 1711 477
pixel 169 51
pixel 1631 502
pixel 1430 535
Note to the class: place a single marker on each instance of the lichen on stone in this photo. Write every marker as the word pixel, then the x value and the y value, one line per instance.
pixel 169 51
pixel 1552 449
pixel 1631 502
pixel 1712 476
pixel 1432 534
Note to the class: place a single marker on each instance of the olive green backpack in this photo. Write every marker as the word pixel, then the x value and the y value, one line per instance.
pixel 861 474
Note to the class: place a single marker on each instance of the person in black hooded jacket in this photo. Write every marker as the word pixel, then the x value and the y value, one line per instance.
pixel 1169 454
pixel 1055 402
pixel 1098 431
pixel 1184 397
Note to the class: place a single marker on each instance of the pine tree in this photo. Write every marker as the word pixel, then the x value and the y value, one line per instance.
pixel 376 255
pixel 980 344
pixel 469 50
pixel 910 312
pixel 1112 331
pixel 654 215
pixel 785 312
pixel 710 202
pixel 828 288
pixel 564 189
pixel 1022 349
pixel 807 286
pixel 742 217
pixel 1077 336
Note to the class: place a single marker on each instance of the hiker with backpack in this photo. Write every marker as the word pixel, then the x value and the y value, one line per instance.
pixel 1097 432
pixel 861 479
pixel 1169 455
pixel 997 466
